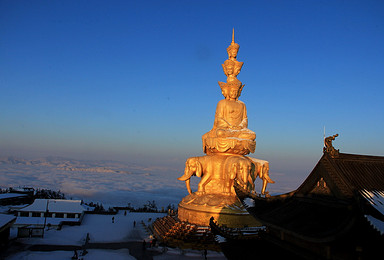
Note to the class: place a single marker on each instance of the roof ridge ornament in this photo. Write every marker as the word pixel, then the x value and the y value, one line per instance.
pixel 328 147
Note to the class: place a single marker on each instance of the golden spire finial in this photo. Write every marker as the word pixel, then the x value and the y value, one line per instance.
pixel 233 44
pixel 231 66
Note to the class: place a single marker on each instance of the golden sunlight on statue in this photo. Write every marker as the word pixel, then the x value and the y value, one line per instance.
pixel 230 132
pixel 232 51
pixel 226 146
pixel 231 115
pixel 262 171
pixel 239 168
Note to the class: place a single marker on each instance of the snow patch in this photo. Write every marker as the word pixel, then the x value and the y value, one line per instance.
pixel 377 224
pixel 376 198
pixel 55 205
pixel 94 254
pixel 249 202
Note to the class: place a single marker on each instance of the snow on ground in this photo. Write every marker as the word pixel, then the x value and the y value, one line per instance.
pixel 102 230
pixel 123 254
pixel 178 254
pixel 93 254
pixel 99 227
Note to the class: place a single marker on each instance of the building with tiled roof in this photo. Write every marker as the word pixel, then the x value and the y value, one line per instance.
pixel 50 212
pixel 336 213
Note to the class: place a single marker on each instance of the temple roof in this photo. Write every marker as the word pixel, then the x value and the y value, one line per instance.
pixel 338 191
pixel 346 175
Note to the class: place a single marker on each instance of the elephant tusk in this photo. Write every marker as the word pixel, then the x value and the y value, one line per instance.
pixel 188 184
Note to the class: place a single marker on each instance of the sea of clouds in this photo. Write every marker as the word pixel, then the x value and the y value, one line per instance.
pixel 108 182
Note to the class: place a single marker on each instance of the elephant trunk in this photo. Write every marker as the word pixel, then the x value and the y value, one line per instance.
pixel 187 178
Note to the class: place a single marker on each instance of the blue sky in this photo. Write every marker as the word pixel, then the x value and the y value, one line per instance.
pixel 137 80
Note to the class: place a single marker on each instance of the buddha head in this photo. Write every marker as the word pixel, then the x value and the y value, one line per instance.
pixel 233 92
pixel 233 48
pixel 229 67
pixel 234 89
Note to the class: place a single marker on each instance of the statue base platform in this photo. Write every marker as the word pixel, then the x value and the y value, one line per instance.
pixel 226 209
pixel 230 145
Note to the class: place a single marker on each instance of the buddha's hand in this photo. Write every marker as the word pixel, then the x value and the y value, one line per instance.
pixel 235 127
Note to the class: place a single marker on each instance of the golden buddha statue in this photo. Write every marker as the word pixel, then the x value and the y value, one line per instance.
pixel 226 145
pixel 230 132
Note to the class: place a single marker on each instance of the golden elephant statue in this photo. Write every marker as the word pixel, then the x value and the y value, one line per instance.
pixel 241 169
pixel 208 167
pixel 262 171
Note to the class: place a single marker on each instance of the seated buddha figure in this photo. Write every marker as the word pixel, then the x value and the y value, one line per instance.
pixel 231 114
pixel 231 122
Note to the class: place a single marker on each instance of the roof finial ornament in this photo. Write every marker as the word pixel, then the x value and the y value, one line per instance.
pixel 328 147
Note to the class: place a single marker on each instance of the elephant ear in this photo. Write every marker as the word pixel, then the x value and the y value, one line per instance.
pixel 187 173
pixel 233 171
pixel 199 169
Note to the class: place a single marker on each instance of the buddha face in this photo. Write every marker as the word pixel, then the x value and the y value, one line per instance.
pixel 232 52
pixel 233 92
pixel 230 69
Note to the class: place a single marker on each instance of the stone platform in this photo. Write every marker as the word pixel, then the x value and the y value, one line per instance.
pixel 227 210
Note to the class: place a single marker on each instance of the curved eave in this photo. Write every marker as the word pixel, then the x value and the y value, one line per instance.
pixel 217 230
pixel 304 218
pixel 242 194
